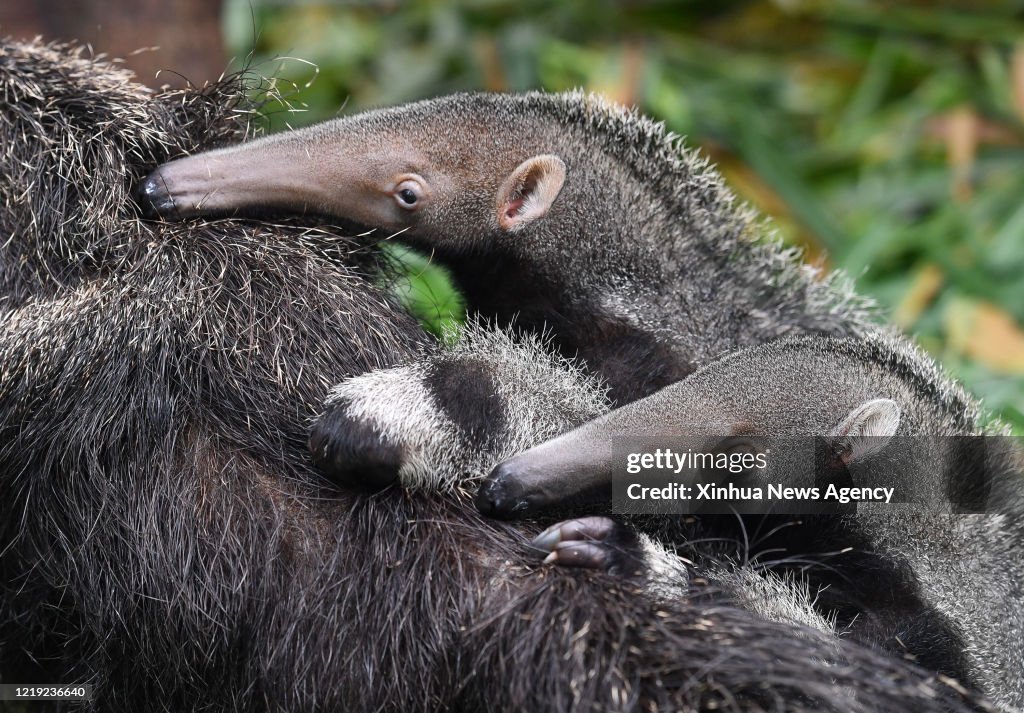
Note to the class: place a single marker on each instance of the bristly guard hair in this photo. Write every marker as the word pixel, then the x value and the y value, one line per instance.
pixel 732 231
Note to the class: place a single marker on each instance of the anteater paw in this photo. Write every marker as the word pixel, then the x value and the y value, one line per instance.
pixel 592 542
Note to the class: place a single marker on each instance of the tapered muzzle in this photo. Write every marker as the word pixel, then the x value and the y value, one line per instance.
pixel 275 173
pixel 571 472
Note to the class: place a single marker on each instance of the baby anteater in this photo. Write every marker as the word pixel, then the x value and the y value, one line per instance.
pixel 912 577
pixel 811 386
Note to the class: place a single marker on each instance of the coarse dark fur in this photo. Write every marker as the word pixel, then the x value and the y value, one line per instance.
pixel 162 535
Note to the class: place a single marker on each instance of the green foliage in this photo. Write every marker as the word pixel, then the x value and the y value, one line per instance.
pixel 425 289
pixel 886 140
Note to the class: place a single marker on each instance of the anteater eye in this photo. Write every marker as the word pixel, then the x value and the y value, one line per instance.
pixel 409 194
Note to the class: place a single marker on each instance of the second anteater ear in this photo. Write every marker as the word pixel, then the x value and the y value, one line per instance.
pixel 529 191
pixel 866 430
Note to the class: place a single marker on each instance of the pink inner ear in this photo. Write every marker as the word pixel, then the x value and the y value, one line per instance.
pixel 512 208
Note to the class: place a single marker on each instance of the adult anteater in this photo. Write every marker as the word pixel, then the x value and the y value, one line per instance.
pixel 161 534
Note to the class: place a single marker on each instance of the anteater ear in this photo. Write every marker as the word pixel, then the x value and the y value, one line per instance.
pixel 866 430
pixel 527 194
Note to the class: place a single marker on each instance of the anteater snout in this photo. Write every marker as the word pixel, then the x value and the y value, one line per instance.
pixel 154 198
pixel 502 494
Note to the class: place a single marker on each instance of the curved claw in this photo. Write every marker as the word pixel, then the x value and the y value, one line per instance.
pixel 580 554
pixel 584 528
pixel 583 542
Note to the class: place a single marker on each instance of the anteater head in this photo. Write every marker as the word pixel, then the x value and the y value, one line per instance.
pixel 763 405
pixel 460 169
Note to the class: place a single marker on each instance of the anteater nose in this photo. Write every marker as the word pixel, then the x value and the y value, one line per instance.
pixel 153 197
pixel 501 496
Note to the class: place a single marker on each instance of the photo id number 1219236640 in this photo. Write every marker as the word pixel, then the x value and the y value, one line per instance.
pixel 45 692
